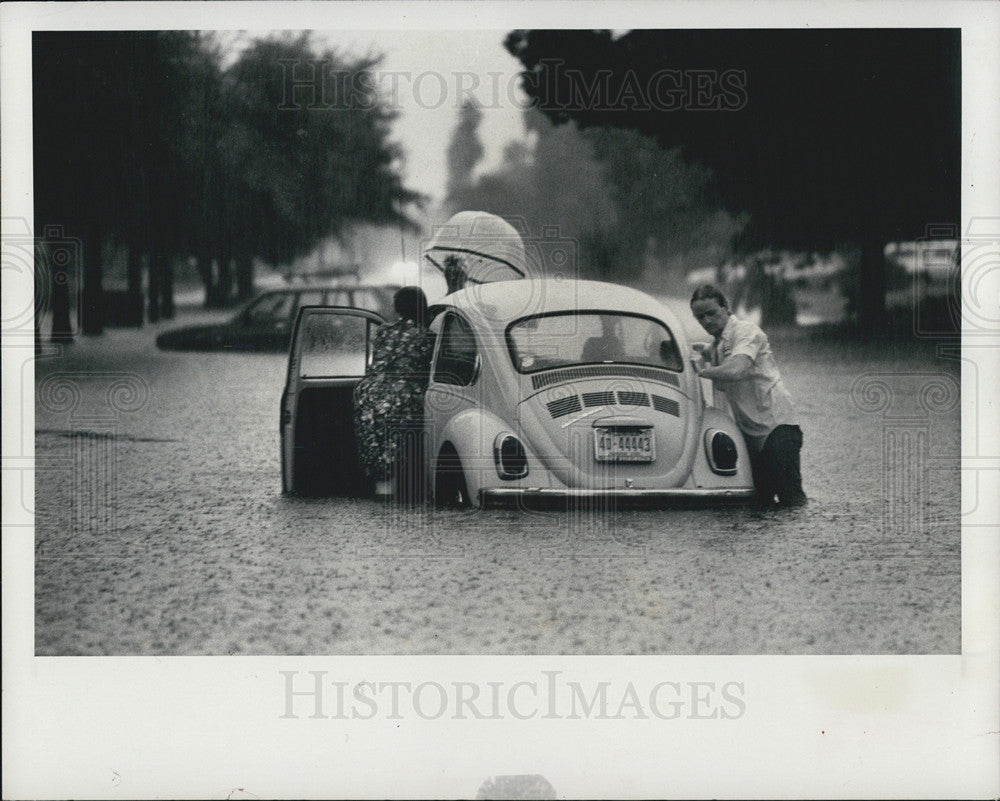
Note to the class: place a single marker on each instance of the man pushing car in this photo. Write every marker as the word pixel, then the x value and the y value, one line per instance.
pixel 740 364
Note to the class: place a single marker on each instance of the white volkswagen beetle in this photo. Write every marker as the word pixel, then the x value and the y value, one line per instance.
pixel 549 389
pixel 540 389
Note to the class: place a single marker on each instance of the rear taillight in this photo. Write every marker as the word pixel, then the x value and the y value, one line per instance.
pixel 510 458
pixel 721 451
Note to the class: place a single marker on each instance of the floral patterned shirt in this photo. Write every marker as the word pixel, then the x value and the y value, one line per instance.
pixel 392 392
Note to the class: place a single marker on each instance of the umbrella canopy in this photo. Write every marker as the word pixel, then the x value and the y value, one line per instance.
pixel 477 247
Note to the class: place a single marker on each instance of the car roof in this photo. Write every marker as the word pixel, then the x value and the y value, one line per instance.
pixel 331 287
pixel 498 303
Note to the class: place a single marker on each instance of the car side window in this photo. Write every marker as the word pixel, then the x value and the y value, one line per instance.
pixel 456 358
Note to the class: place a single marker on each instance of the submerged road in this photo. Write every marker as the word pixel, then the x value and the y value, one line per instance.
pixel 161 530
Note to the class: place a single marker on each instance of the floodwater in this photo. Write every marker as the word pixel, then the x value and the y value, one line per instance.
pixel 161 529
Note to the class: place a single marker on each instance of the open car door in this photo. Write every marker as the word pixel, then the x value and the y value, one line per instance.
pixel 330 351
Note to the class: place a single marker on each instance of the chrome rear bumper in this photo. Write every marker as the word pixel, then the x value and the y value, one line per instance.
pixel 617 497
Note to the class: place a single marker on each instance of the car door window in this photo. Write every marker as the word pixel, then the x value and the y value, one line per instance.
pixel 456 359
pixel 333 344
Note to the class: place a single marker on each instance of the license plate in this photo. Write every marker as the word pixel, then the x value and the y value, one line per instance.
pixel 624 445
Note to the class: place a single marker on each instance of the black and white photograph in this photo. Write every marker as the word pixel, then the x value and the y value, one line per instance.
pixel 468 400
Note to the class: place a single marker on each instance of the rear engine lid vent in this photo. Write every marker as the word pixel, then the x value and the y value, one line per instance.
pixel 633 398
pixel 598 398
pixel 564 406
pixel 667 405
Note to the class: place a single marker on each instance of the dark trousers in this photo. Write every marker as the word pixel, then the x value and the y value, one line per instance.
pixel 776 472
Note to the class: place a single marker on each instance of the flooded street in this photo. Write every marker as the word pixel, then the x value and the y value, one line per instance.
pixel 161 530
pixel 209 213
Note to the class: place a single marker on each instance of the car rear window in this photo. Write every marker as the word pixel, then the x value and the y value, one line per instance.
pixel 542 342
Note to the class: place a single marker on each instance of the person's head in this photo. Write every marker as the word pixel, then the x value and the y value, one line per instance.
pixel 710 309
pixel 411 304
pixel 609 326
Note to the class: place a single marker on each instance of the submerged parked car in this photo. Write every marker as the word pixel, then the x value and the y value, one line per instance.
pixel 540 389
pixel 265 323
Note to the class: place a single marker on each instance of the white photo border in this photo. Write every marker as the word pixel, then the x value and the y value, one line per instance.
pixel 846 726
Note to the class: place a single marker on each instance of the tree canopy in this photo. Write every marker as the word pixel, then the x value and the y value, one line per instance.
pixel 618 195
pixel 148 139
pixel 822 136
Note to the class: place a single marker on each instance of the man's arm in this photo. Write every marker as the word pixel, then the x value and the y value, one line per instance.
pixel 735 368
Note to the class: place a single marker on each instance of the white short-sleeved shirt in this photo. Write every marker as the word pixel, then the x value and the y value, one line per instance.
pixel 760 401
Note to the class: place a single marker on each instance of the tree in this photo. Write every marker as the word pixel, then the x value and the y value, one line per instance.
pixel 144 138
pixel 72 153
pixel 616 193
pixel 109 141
pixel 823 136
pixel 665 205
pixel 295 169
pixel 553 183
pixel 464 150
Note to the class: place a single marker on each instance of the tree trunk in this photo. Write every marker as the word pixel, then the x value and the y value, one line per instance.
pixel 870 301
pixel 43 279
pixel 225 278
pixel 155 272
pixel 133 278
pixel 205 270
pixel 92 306
pixel 167 288
pixel 777 307
pixel 59 276
pixel 244 277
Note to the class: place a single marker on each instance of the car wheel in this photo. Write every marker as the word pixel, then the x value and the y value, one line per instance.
pixel 450 489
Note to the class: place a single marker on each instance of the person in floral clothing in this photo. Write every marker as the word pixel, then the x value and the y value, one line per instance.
pixel 389 400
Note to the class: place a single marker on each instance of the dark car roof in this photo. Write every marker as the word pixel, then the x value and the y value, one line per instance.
pixel 385 291
pixel 245 329
pixel 389 289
